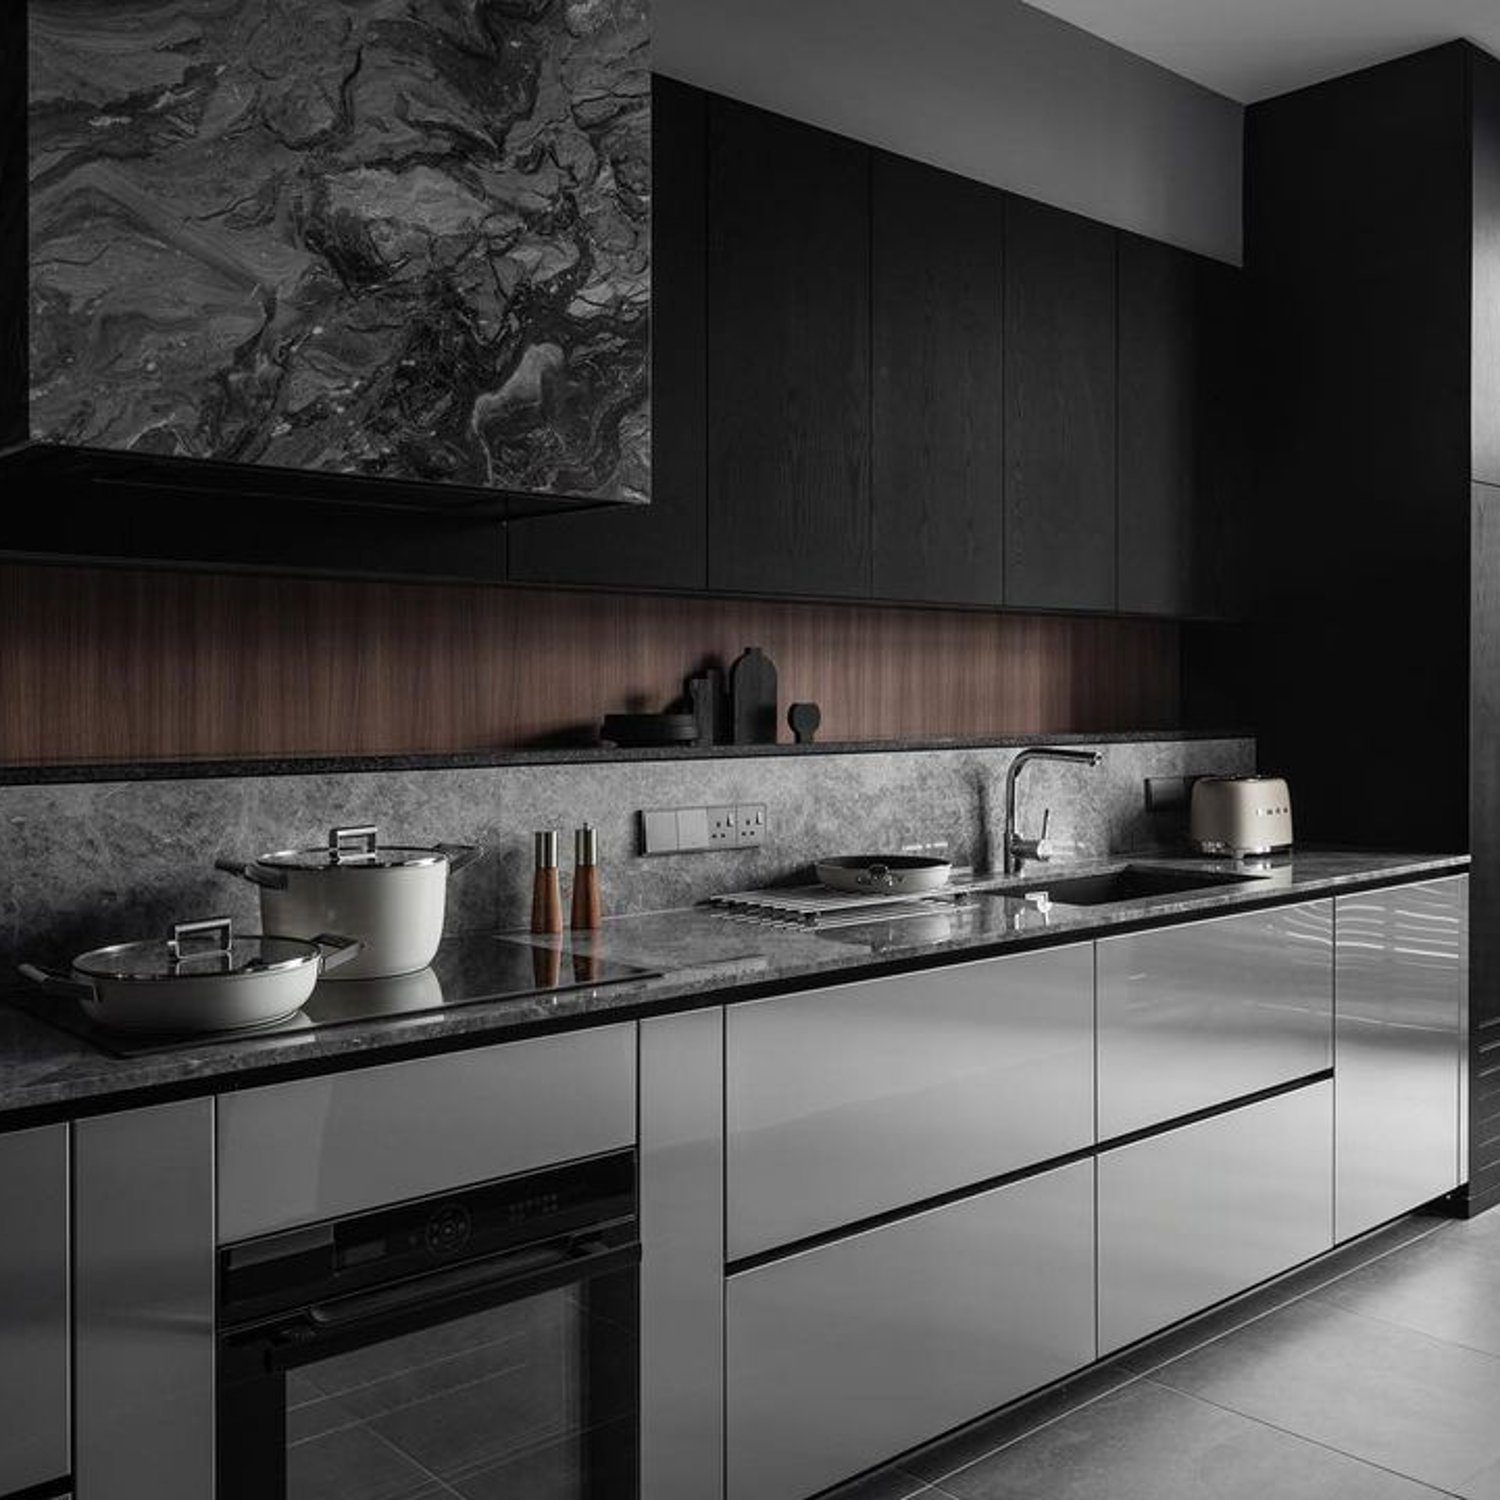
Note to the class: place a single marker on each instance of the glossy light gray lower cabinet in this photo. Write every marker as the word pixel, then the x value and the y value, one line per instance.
pixel 861 1099
pixel 35 1429
pixel 1194 1215
pixel 1197 1015
pixel 682 1256
pixel 1398 1047
pixel 297 1153
pixel 841 1356
pixel 143 1275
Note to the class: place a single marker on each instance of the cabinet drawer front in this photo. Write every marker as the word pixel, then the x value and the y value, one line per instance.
pixel 1195 1215
pixel 34 1307
pixel 297 1153
pixel 844 1355
pixel 1402 996
pixel 1194 1016
pixel 854 1101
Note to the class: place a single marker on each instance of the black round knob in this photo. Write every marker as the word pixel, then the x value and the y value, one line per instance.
pixel 448 1229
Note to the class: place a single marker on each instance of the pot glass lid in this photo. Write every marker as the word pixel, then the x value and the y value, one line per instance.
pixel 197 950
pixel 355 849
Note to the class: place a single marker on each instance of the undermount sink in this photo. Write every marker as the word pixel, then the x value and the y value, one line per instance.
pixel 1133 883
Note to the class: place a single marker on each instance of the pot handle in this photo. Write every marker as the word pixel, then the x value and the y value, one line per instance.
pixel 58 984
pixel 364 838
pixel 269 880
pixel 459 855
pixel 336 950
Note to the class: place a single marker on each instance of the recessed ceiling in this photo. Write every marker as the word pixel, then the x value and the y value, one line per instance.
pixel 1254 49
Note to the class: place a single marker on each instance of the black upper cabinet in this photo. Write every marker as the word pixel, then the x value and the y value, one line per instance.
pixel 1182 464
pixel 788 357
pixel 937 427
pixel 1059 410
pixel 664 544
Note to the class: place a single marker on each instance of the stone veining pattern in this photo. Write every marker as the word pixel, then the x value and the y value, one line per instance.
pixel 401 239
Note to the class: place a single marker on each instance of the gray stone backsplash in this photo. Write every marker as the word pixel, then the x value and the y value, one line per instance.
pixel 85 864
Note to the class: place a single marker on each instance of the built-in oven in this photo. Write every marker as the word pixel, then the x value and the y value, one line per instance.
pixel 477 1344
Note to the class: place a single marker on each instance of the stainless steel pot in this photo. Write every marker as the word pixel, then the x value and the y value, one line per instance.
pixel 885 874
pixel 392 898
pixel 201 979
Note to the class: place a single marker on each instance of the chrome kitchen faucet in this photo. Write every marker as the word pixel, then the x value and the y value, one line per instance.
pixel 1018 849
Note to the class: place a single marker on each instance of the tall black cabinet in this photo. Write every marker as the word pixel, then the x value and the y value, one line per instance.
pixel 788 356
pixel 1183 469
pixel 1373 249
pixel 1059 410
pixel 937 423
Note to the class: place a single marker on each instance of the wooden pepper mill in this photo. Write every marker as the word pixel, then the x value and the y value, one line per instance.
pixel 546 893
pixel 588 902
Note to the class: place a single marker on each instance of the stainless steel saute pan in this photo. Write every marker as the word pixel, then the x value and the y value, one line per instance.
pixel 202 978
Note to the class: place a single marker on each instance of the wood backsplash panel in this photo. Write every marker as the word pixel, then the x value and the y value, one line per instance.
pixel 130 665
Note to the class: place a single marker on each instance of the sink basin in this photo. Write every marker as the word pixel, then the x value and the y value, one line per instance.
pixel 1133 883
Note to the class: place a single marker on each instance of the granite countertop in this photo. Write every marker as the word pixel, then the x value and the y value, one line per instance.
pixel 703 957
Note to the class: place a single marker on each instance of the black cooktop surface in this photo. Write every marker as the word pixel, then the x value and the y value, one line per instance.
pixel 467 971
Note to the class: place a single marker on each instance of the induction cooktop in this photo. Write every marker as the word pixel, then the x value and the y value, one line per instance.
pixel 469 970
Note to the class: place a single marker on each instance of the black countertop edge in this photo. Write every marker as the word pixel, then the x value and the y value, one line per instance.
pixel 734 991
pixel 332 765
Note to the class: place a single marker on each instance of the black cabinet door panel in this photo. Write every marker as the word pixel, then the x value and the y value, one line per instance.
pixel 788 357
pixel 937 425
pixel 663 544
pixel 1059 410
pixel 1181 433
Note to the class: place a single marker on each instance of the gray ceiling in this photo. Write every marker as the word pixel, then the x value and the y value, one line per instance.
pixel 1253 49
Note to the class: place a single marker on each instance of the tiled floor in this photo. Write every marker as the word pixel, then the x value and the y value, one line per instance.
pixel 1374 1376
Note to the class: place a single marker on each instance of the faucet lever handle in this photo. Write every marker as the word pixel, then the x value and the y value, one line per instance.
pixel 1042 849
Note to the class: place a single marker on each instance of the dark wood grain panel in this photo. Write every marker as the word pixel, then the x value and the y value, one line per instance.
pixel 937 425
pixel 1059 410
pixel 664 544
pixel 788 356
pixel 124 665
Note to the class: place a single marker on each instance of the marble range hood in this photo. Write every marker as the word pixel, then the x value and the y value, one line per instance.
pixel 387 251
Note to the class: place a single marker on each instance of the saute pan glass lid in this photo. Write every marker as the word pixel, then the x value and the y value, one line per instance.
pixel 197 950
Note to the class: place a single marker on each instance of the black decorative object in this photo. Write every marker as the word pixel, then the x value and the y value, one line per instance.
pixel 403 240
pixel 706 694
pixel 803 720
pixel 752 691
pixel 637 730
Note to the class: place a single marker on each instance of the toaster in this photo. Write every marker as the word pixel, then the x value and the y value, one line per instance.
pixel 1240 815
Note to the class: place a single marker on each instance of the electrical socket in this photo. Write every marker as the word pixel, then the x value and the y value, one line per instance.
pixel 697 830
pixel 750 823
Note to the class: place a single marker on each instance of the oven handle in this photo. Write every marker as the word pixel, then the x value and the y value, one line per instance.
pixel 360 1317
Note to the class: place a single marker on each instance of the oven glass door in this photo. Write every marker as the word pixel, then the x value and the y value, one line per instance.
pixel 531 1398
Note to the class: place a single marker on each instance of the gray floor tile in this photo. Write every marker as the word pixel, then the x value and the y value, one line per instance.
pixel 1394 1239
pixel 888 1484
pixel 1005 1426
pixel 1380 1392
pixel 1447 1286
pixel 1145 1442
